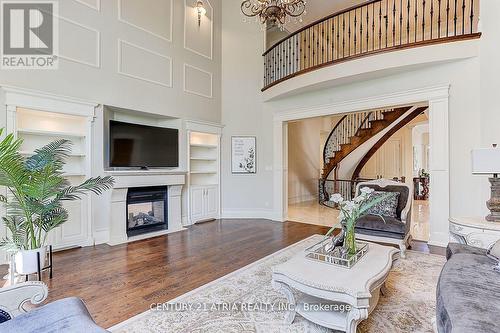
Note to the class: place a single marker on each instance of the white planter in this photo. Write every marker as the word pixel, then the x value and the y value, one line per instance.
pixel 26 260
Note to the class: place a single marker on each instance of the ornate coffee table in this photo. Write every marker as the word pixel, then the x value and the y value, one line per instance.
pixel 325 290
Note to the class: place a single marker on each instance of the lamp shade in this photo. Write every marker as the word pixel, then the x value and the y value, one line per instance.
pixel 486 161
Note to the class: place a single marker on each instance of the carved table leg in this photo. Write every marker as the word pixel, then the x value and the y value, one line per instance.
pixel 383 289
pixel 287 291
pixel 354 317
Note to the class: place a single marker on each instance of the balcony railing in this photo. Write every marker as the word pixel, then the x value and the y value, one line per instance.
pixel 370 28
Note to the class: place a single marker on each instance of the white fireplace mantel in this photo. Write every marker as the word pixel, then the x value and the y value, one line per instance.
pixel 129 179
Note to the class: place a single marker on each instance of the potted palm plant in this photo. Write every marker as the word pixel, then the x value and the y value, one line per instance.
pixel 36 190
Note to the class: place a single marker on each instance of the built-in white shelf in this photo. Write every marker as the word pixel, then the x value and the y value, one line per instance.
pixel 39 119
pixel 30 153
pixel 204 158
pixel 204 174
pixel 49 133
pixel 203 145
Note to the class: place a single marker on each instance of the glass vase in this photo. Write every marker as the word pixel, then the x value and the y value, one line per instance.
pixel 350 241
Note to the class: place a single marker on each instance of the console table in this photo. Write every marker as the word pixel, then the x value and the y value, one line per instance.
pixel 474 231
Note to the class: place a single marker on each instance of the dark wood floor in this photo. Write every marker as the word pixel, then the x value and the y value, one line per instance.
pixel 118 282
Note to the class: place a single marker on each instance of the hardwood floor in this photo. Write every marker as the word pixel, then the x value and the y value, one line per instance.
pixel 121 281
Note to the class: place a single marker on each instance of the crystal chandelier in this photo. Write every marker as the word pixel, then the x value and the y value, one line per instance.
pixel 276 12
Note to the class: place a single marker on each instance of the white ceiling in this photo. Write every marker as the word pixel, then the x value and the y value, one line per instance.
pixel 317 9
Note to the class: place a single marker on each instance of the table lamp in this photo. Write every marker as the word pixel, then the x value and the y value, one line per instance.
pixel 487 161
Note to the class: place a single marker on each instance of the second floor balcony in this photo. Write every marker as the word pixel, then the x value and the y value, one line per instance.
pixel 371 28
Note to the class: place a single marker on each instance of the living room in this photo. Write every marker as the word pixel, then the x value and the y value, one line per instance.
pixel 145 162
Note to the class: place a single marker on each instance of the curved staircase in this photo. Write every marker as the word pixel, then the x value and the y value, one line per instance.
pixel 348 134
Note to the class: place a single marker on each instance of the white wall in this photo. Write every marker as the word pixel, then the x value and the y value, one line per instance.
pixel 304 155
pixel 147 55
pixel 90 36
pixel 489 83
pixel 244 113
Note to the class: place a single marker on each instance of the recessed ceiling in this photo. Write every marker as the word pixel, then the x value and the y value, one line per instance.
pixel 317 9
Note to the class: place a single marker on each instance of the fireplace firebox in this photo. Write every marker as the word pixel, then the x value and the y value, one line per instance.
pixel 147 210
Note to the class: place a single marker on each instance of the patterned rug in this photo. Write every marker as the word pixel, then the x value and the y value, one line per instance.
pixel 241 301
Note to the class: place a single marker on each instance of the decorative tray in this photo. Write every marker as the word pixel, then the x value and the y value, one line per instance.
pixel 321 252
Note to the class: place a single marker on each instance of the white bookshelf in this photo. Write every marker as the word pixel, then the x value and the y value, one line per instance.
pixel 204 175
pixel 38 128
pixel 40 118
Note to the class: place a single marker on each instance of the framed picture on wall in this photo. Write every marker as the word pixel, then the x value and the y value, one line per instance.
pixel 243 154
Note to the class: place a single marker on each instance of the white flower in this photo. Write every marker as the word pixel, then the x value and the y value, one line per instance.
pixel 349 206
pixel 366 190
pixel 337 198
pixel 359 198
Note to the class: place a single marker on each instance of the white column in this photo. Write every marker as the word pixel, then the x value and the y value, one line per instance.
pixel 280 170
pixel 439 197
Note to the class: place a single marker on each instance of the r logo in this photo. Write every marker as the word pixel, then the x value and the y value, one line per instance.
pixel 28 28
pixel 29 34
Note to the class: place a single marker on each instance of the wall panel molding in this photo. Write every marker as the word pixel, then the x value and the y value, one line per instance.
pixel 146 53
pixel 132 24
pixel 203 72
pixel 97 63
pixel 95 4
pixel 192 91
pixel 188 6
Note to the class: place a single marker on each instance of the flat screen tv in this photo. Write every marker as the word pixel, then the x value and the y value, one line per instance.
pixel 140 146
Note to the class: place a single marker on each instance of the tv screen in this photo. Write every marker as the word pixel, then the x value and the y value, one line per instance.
pixel 135 146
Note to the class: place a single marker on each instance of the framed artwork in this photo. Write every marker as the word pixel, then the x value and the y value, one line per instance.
pixel 243 154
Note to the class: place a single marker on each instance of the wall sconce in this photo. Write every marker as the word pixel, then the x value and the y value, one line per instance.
pixel 201 10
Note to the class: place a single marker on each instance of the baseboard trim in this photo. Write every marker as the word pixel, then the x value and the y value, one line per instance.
pixel 437 244
pixel 249 214
pixel 101 236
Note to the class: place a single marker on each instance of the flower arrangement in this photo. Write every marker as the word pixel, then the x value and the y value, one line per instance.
pixel 351 211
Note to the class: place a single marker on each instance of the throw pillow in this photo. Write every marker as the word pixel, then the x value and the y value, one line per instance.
pixel 387 207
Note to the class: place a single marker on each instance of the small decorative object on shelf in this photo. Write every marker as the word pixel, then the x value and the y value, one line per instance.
pixel 351 211
pixel 487 161
pixel 338 256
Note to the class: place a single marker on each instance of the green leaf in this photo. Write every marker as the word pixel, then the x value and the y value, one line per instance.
pixel 36 189
pixel 54 153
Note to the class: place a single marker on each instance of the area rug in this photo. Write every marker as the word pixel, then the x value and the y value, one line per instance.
pixel 408 306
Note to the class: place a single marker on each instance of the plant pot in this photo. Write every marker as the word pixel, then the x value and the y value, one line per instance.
pixel 26 260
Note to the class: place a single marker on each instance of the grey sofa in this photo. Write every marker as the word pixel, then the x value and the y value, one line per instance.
pixel 65 315
pixel 468 292
pixel 390 230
